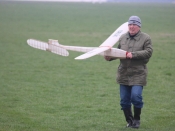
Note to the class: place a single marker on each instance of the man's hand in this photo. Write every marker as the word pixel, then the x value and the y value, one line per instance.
pixel 108 58
pixel 129 55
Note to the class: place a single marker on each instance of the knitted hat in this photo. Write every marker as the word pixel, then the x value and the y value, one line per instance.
pixel 134 20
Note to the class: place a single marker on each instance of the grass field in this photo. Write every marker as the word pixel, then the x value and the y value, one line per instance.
pixel 40 91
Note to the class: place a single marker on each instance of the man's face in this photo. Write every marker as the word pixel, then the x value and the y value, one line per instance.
pixel 133 29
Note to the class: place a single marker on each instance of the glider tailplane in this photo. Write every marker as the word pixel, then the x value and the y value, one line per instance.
pixel 51 46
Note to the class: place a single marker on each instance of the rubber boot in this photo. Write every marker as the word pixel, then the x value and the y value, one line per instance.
pixel 128 117
pixel 137 113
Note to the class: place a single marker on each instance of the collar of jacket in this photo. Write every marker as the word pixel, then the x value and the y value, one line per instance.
pixel 136 37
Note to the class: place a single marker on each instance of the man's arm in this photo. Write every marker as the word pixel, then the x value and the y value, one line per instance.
pixel 146 53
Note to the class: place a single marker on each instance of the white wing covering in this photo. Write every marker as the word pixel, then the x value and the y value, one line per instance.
pixel 107 44
pixel 114 37
pixel 92 53
pixel 114 52
pixel 51 47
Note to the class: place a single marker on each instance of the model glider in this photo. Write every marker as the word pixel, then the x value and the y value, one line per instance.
pixel 105 49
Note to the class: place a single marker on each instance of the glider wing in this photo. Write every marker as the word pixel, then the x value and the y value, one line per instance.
pixel 92 53
pixel 108 43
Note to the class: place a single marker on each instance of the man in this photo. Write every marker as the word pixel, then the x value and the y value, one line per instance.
pixel 132 71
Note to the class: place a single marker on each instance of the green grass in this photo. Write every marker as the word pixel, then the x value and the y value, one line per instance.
pixel 40 91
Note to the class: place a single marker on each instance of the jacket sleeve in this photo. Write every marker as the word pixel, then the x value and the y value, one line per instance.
pixel 147 51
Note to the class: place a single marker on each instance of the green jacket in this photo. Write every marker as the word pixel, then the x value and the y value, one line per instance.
pixel 134 71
